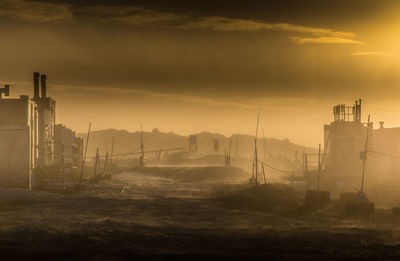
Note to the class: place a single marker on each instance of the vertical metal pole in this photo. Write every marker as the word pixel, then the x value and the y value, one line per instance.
pixel 255 149
pixel 84 156
pixel 237 147
pixel 265 180
pixel 112 150
pixel 105 165
pixel 365 157
pixel 141 160
pixel 95 163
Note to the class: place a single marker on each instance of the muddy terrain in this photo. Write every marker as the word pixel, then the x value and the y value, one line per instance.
pixel 151 217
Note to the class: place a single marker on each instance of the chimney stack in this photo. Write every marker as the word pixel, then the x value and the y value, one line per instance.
pixel 36 77
pixel 43 80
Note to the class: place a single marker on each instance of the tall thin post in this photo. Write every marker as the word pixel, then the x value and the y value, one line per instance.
pixel 112 153
pixel 364 156
pixel 237 147
pixel 319 166
pixel 105 164
pixel 255 149
pixel 84 156
pixel 265 180
pixel 141 159
pixel 96 162
pixel 230 146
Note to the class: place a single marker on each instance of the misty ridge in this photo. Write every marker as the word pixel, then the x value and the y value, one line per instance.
pixel 241 145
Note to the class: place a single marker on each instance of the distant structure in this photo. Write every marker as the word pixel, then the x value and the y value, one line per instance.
pixel 344 139
pixel 28 147
pixel 216 145
pixel 228 159
pixel 349 152
pixel 68 149
pixel 193 146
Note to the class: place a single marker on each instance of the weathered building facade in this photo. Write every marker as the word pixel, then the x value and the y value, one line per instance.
pixel 18 142
pixel 68 149
pixel 29 138
pixel 346 146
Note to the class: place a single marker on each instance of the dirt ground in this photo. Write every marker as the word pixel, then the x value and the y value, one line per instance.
pixel 136 215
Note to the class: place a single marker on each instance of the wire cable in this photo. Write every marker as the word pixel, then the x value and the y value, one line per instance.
pixel 280 170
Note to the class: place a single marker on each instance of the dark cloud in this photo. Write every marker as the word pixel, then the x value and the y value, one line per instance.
pixel 308 12
pixel 196 65
pixel 211 48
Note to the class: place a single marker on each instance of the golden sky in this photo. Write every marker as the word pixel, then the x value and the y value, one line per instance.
pixel 190 66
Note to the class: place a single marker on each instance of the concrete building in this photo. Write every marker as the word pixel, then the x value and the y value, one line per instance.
pixel 344 140
pixel 28 152
pixel 193 148
pixel 18 142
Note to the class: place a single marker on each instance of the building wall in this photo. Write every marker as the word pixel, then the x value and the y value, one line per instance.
pixel 18 142
pixel 14 156
pixel 383 157
pixel 73 148
pixel 345 140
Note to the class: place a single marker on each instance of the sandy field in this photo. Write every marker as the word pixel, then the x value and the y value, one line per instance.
pixel 151 217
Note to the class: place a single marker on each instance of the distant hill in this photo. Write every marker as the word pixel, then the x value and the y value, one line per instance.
pixel 241 145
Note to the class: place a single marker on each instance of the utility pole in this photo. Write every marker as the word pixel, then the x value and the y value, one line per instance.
pixel 96 163
pixel 265 180
pixel 112 152
pixel 237 147
pixel 141 159
pixel 254 174
pixel 105 164
pixel 84 157
pixel 365 157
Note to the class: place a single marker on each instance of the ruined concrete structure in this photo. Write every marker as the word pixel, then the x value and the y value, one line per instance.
pixel 46 107
pixel 28 137
pixel 18 142
pixel 345 140
pixel 68 149
pixel 193 147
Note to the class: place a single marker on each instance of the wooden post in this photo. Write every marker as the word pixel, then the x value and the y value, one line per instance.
pixel 141 159
pixel 112 150
pixel 265 180
pixel 95 163
pixel 84 156
pixel 365 157
pixel 255 149
pixel 105 165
